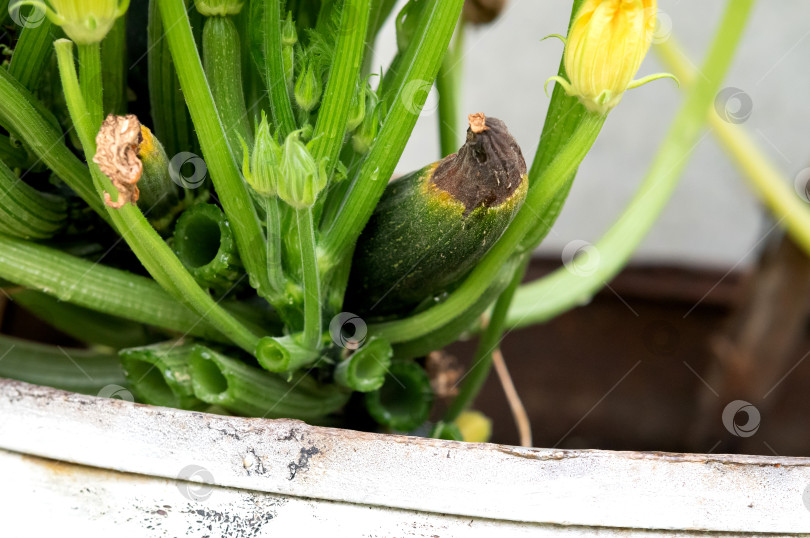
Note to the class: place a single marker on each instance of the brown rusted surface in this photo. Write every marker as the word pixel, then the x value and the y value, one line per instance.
pixel 117 156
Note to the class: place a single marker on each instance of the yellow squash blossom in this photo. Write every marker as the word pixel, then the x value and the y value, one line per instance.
pixel 604 50
pixel 84 21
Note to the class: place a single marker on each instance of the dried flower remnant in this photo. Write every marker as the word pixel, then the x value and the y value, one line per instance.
pixel 478 122
pixel 116 155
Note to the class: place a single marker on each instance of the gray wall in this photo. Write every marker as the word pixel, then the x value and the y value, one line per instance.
pixel 712 220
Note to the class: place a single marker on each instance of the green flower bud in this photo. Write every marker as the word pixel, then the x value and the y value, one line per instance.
pixel 308 88
pixel 261 167
pixel 357 108
pixel 365 135
pixel 83 21
pixel 218 8
pixel 302 178
pixel 288 63
pixel 289 36
pixel 407 22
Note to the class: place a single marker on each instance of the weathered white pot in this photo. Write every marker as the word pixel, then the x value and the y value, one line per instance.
pixel 85 466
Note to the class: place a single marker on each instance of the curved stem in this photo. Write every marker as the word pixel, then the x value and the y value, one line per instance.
pixel 549 183
pixel 768 182
pixel 489 342
pixel 97 287
pixel 144 241
pixel 90 81
pixel 348 57
pixel 223 67
pixel 448 85
pixel 274 77
pixel 563 290
pixel 419 68
pixel 311 280
pixel 18 113
pixel 230 186
pixel 275 269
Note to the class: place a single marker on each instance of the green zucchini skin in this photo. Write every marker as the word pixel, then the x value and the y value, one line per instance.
pixel 423 237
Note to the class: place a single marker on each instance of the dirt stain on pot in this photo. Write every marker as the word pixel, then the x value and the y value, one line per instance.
pixel 303 461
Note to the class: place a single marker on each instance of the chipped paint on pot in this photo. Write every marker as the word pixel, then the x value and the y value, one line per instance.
pixel 111 466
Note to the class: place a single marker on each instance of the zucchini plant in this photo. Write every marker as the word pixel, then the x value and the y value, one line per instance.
pixel 227 239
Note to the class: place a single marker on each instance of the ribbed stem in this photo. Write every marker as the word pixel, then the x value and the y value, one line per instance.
pixel 114 67
pixel 160 375
pixel 19 115
pixel 26 212
pixel 348 57
pixel 562 290
pixel 489 342
pixel 420 66
pixel 230 186
pixel 90 83
pixel 75 370
pixel 249 391
pixel 144 241
pixel 448 86
pixel 97 287
pixel 267 15
pixel 88 326
pixel 223 68
pixel 170 117
pixel 31 52
pixel 275 269
pixel 311 280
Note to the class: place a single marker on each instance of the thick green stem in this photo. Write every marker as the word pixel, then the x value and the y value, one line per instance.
pixel 170 117
pixel 273 68
pixel 18 114
pixel 26 212
pixel 230 186
pixel 489 342
pixel 31 52
pixel 246 390
pixel 419 68
pixel 448 85
pixel 160 375
pixel 223 67
pixel 563 290
pixel 91 83
pixel 275 268
pixel 480 278
pixel 114 67
pixel 348 57
pixel 88 326
pixel 76 370
pixel 770 184
pixel 97 287
pixel 144 241
pixel 311 280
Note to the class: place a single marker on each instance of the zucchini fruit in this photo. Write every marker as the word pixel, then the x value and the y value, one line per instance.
pixel 432 226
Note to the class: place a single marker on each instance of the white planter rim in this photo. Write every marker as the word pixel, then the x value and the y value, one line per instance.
pixel 634 490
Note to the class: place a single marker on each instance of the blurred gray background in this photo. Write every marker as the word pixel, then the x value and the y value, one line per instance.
pixel 713 220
